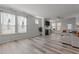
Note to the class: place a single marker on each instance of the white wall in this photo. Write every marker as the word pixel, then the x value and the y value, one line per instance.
pixel 67 21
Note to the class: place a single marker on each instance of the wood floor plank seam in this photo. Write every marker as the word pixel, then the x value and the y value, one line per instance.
pixel 71 50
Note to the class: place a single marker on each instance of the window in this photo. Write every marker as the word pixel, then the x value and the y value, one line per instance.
pixel 7 23
pixel 36 21
pixel 22 22
pixel 69 26
pixel 59 26
pixel 53 25
pixel 56 25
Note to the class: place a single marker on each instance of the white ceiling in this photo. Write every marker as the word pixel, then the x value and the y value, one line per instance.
pixel 47 10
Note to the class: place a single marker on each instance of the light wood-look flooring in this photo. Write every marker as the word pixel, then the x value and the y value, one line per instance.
pixel 38 45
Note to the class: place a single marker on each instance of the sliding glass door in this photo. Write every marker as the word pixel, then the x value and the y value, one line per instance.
pixel 7 23
pixel 22 21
